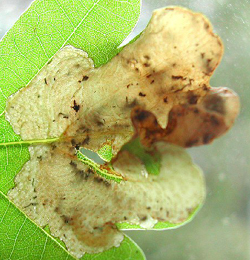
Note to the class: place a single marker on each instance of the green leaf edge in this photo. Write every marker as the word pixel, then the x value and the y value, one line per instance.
pixel 160 225
pixel 138 254
pixel 59 245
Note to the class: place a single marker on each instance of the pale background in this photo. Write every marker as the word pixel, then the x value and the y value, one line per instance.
pixel 221 230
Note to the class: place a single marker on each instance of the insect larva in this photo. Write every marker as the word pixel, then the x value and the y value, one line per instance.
pixel 106 173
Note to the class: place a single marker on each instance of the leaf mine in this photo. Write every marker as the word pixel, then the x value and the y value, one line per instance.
pixel 157 88
pixel 82 208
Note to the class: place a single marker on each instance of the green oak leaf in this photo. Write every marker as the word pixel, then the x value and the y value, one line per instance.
pixel 40 32
pixel 25 50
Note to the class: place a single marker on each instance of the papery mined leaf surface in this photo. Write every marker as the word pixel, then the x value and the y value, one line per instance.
pixel 163 88
pixel 46 27
pixel 153 89
pixel 82 209
pixel 26 240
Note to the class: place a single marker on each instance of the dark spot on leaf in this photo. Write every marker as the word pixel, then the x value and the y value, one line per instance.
pixel 214 103
pixel 98 121
pixel 73 164
pixel 142 95
pixel 191 143
pixel 206 26
pixel 172 123
pixel 106 183
pixel 207 138
pixel 204 87
pixel 132 104
pixel 178 77
pixel 63 115
pixel 39 158
pixel 141 115
pixel 165 100
pixel 192 99
pixel 82 174
pixel 86 141
pixel 53 147
pixel 76 107
pixel 66 219
pixel 85 78
pixel 31 204
pixel 214 120
pixel 196 111
pixel 98 180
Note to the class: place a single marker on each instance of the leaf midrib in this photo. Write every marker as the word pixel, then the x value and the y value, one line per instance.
pixel 62 138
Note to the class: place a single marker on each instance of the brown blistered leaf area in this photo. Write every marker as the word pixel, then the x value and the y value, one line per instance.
pixel 166 72
pixel 191 124
pixel 156 88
